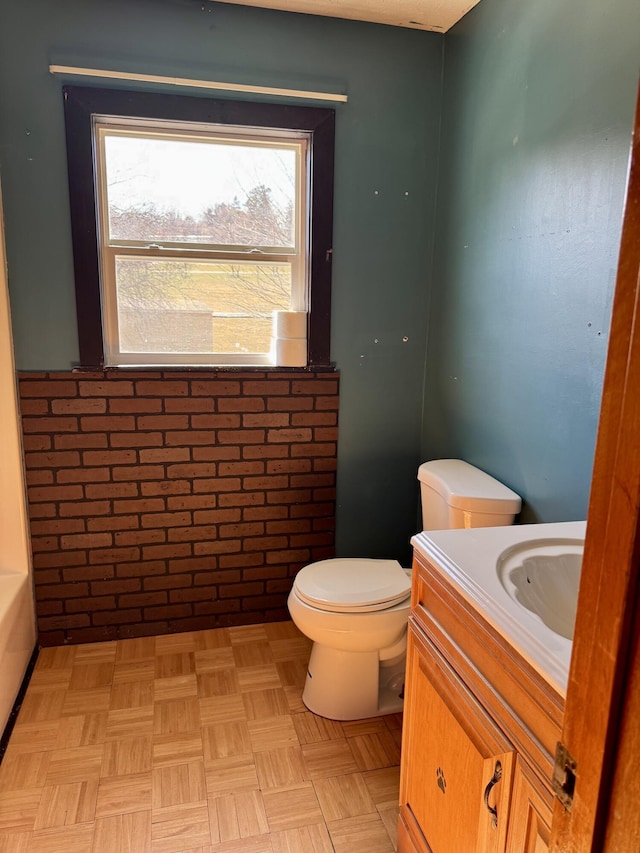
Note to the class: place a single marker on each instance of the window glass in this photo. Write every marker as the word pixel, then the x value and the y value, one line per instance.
pixel 204 237
pixel 194 191
pixel 202 307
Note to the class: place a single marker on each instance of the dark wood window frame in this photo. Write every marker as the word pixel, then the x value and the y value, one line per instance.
pixel 81 103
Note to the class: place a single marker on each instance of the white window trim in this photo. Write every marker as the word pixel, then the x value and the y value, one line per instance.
pixel 108 250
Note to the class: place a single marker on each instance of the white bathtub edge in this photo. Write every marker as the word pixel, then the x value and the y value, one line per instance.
pixel 17 637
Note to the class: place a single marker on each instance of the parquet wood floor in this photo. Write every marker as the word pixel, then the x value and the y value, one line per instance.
pixel 193 743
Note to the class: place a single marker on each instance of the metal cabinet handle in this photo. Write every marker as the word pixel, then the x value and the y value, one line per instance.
pixel 497 776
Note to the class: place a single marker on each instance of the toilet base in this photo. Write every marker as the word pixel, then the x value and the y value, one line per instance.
pixel 344 685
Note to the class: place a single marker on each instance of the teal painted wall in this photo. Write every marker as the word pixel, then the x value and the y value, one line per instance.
pixel 538 109
pixel 385 180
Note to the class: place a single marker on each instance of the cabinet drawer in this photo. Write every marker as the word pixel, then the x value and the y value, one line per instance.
pixel 456 779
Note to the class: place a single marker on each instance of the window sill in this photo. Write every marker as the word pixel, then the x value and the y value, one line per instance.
pixel 156 370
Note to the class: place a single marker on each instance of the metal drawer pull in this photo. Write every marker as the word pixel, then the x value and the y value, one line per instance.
pixel 497 776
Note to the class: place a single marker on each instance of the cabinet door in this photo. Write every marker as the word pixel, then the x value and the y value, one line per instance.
pixel 456 764
pixel 531 810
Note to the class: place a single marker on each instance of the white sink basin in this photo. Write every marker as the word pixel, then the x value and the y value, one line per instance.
pixel 523 579
pixel 543 575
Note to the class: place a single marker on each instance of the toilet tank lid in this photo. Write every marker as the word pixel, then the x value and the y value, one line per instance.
pixel 464 486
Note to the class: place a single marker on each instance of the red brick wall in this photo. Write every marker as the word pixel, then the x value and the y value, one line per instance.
pixel 171 501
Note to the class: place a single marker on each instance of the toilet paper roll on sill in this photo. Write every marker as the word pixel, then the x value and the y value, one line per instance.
pixel 289 352
pixel 289 324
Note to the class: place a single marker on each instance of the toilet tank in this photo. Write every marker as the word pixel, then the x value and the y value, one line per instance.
pixel 455 494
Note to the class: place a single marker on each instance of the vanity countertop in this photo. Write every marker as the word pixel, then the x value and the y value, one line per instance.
pixel 470 559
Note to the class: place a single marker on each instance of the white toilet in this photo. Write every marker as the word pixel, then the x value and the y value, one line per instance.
pixel 356 610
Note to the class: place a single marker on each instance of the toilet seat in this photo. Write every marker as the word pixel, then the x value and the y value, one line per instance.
pixel 352 585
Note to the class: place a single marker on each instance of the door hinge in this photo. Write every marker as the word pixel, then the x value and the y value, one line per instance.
pixel 563 780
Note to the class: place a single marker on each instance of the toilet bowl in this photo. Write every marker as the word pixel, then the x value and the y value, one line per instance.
pixel 355 611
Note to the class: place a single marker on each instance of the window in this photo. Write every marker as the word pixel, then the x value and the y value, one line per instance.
pixel 193 221
pixel 203 236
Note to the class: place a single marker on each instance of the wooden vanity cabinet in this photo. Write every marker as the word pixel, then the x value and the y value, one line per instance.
pixel 470 705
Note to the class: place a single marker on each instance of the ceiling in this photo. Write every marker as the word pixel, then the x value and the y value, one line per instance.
pixel 436 15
